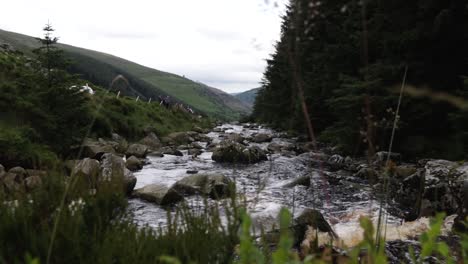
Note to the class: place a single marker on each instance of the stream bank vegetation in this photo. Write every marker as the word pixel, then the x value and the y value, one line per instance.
pixel 96 228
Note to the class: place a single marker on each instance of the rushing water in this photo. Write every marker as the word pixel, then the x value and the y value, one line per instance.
pixel 342 202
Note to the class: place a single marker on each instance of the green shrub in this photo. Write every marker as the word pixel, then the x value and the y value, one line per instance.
pixel 18 148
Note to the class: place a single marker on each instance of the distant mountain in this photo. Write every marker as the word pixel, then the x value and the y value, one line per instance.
pixel 248 97
pixel 101 68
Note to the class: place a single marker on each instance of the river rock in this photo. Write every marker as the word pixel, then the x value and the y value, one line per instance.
pixel 198 129
pixel 129 181
pixel 183 147
pixel 302 180
pixel 235 137
pixel 12 183
pixel 157 154
pixel 404 171
pixel 122 144
pixel 113 168
pixel 381 157
pixel 211 147
pixel 33 182
pixel 233 152
pixel 435 188
pixel 216 186
pixel 133 163
pixel 367 174
pixel 444 181
pixel 171 151
pixel 274 147
pixel 137 150
pixel 20 173
pixel 336 162
pixel 312 218
pixel 114 144
pixel 88 169
pixel 302 147
pixel 203 138
pixel 261 138
pixel 195 145
pixel 159 194
pixel 95 149
pixel 152 141
pixel 408 194
pixel 195 152
pixel 180 138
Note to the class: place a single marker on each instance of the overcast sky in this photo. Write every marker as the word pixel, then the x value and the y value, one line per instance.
pixel 223 43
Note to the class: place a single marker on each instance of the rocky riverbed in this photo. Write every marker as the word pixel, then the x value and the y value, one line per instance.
pixel 271 171
pixel 275 171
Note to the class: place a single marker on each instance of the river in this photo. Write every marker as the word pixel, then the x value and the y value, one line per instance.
pixel 341 197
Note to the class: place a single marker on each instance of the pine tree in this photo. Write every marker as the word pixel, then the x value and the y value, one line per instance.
pixel 67 109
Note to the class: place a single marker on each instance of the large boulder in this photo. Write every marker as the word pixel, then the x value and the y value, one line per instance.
pixel 159 194
pixel 284 147
pixel 408 193
pixel 444 181
pixel 95 149
pixel 215 186
pixel 195 145
pixel 89 170
pixel 314 219
pixel 33 182
pixel 180 138
pixel 194 152
pixel 435 188
pixel 122 144
pixel 171 151
pixel 261 138
pixel 274 147
pixel 113 168
pixel 133 163
pixel 404 171
pixel 203 138
pixel 12 183
pixel 137 150
pixel 198 129
pixel 152 141
pixel 129 181
pixel 233 152
pixel 235 137
pixel 20 172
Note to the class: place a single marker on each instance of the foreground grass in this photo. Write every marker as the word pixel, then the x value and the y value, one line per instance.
pixel 95 228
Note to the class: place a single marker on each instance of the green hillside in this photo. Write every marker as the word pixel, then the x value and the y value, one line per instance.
pixel 248 97
pixel 102 68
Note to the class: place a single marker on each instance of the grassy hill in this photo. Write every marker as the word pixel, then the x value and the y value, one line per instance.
pixel 247 97
pixel 39 124
pixel 102 68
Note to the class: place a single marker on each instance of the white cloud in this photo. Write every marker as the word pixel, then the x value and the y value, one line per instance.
pixel 223 43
